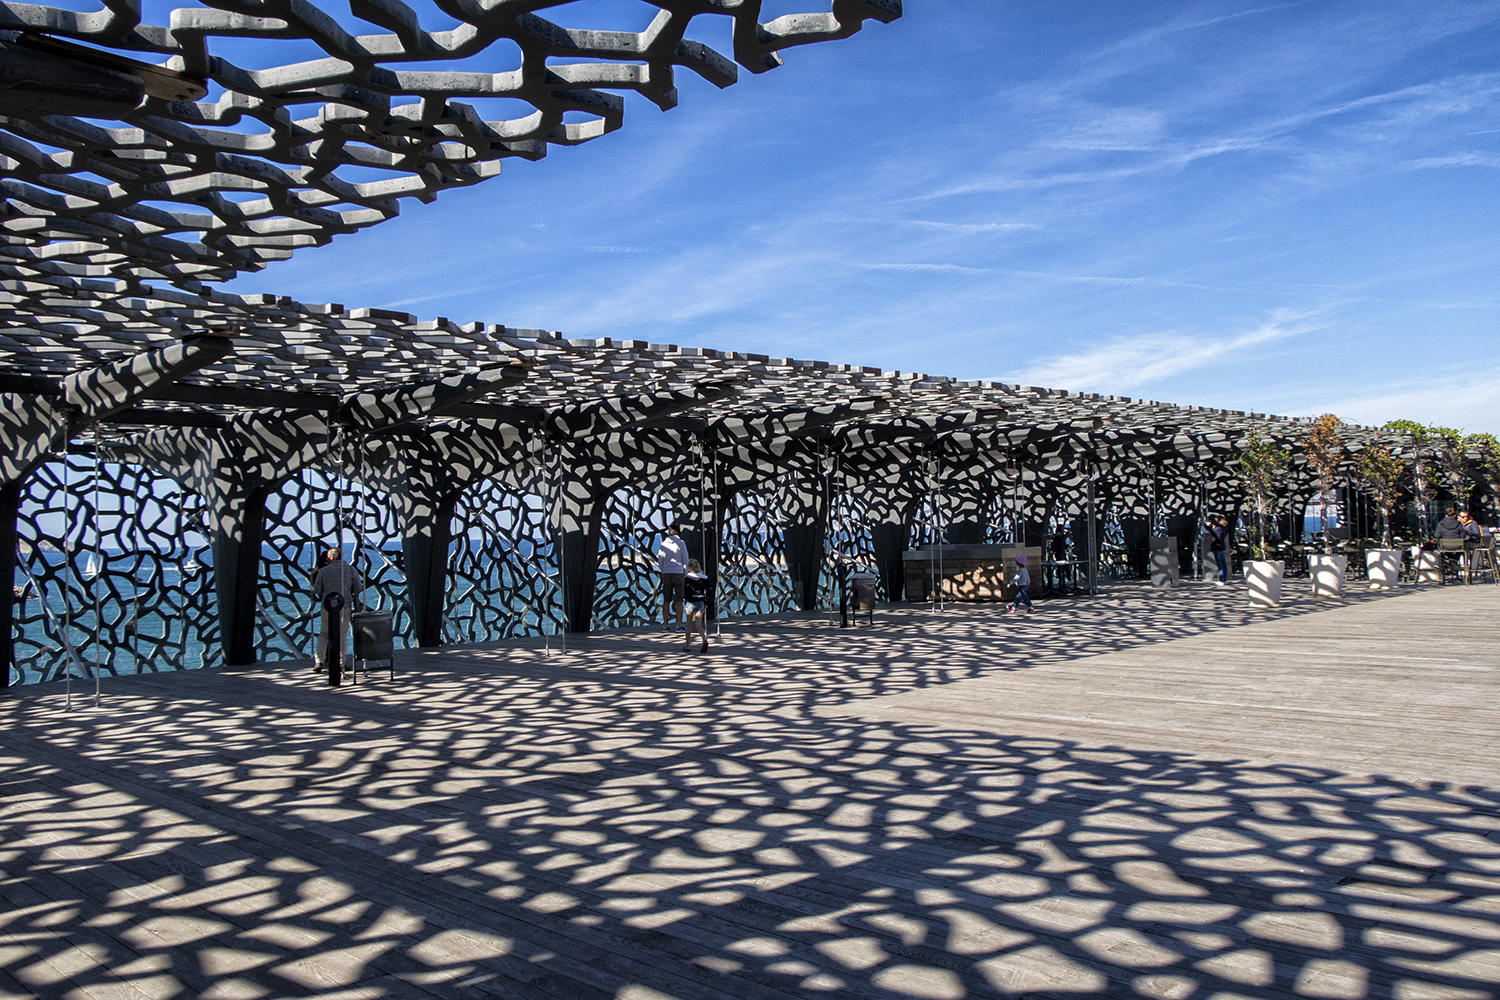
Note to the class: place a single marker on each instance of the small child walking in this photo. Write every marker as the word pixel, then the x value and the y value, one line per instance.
pixel 695 590
pixel 1021 581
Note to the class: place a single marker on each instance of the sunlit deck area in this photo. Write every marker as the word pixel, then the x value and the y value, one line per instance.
pixel 1151 793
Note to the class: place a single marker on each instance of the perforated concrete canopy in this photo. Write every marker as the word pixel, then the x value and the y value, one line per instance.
pixel 52 327
pixel 232 134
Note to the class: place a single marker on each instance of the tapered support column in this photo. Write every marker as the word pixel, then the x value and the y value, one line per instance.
pixel 575 539
pixel 964 515
pixel 239 528
pixel 889 539
pixel 425 543
pixel 10 505
pixel 579 557
pixel 804 555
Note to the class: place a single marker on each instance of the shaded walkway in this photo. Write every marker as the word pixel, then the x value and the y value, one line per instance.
pixel 629 821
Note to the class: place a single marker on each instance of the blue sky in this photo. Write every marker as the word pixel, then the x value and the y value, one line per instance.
pixel 1280 207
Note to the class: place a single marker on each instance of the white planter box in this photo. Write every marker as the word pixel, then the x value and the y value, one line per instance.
pixel 1384 566
pixel 1327 574
pixel 1263 582
pixel 1429 569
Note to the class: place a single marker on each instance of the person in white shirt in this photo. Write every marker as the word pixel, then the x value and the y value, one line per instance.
pixel 672 560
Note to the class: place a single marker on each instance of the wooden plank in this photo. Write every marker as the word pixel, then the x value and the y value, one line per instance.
pixel 1147 794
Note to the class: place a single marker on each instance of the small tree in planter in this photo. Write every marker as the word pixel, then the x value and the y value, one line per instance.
pixel 1260 465
pixel 1379 473
pixel 1486 466
pixel 1325 450
pixel 1448 453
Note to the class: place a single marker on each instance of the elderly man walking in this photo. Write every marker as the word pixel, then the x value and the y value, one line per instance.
pixel 671 560
pixel 336 577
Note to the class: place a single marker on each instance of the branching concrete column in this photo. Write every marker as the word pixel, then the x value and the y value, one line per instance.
pixel 890 487
pixel 234 468
pixel 424 470
pixel 575 533
pixel 805 528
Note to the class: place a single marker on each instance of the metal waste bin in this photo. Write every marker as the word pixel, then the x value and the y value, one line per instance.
pixel 864 585
pixel 373 639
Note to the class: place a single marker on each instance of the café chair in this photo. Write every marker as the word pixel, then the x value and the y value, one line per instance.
pixel 1451 549
pixel 1482 560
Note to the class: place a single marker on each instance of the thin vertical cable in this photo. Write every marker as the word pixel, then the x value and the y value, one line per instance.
pixel 67 642
pixel 718 573
pixel 99 563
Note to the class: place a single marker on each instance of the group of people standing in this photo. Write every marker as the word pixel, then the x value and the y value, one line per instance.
pixel 685 588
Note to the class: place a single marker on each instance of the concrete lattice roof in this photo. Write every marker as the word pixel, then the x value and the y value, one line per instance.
pixel 291 353
pixel 231 135
pixel 227 154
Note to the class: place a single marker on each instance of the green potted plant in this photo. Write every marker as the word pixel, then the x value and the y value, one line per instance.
pixel 1260 465
pixel 1378 473
pixel 1324 448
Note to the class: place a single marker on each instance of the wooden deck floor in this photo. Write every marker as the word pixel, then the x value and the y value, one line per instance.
pixel 1148 794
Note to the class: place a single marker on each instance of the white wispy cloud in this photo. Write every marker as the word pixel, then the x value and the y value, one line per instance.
pixel 1455 160
pixel 398 303
pixel 973 227
pixel 1128 363
pixel 954 268
pixel 1469 400
pixel 616 250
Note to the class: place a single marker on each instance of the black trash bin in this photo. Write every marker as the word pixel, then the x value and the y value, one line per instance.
pixel 864 585
pixel 373 639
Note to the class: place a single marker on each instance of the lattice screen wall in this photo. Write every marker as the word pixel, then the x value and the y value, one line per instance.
pixel 627 589
pixel 303 516
pixel 101 541
pixel 155 589
pixel 502 571
pixel 753 576
pixel 848 548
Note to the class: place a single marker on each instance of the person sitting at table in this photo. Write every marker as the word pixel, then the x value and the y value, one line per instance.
pixel 1450 527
